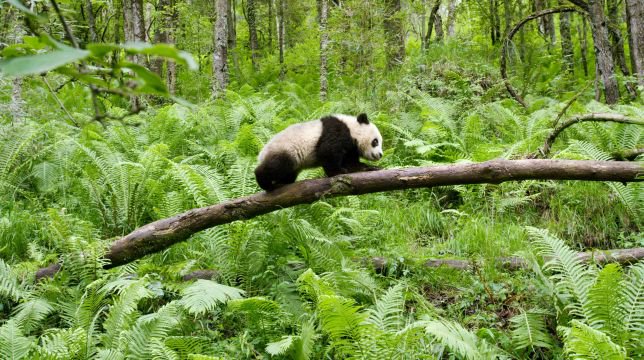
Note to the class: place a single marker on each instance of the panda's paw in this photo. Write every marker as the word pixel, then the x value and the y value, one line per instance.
pixel 372 168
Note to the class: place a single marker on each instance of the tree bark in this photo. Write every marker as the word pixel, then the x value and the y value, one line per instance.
pixel 493 25
pixel 603 55
pixel 270 26
pixel 583 43
pixel 16 105
pixel 451 18
pixel 507 16
pixel 622 256
pixel 507 41
pixel 281 34
pixel 616 39
pixel 324 44
pixel 161 33
pixel 635 23
pixel 91 22
pixel 395 38
pixel 252 33
pixel 134 31
pixel 161 234
pixel 438 28
pixel 567 49
pixel 546 23
pixel 220 54
pixel 430 22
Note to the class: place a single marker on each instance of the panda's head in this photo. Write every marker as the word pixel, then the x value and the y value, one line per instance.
pixel 366 135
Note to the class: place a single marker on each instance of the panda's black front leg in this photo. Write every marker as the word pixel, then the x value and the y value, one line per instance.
pixel 334 166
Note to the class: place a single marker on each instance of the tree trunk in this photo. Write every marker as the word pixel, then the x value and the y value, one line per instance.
pixel 430 22
pixel 281 34
pixel 507 16
pixel 616 39
pixel 583 43
pixel 134 30
pixel 635 22
pixel 438 27
pixel 324 44
pixel 497 20
pixel 395 38
pixel 567 50
pixel 91 22
pixel 546 23
pixel 15 107
pixel 161 35
pixel 252 33
pixel 451 18
pixel 270 26
pixel 161 234
pixel 232 37
pixel 603 56
pixel 220 53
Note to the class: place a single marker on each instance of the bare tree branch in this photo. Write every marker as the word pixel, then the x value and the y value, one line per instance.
pixel 161 234
pixel 506 43
pixel 545 149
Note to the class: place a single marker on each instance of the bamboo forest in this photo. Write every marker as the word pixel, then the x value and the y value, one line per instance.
pixel 321 179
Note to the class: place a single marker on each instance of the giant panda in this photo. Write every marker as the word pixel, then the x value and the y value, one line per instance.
pixel 335 142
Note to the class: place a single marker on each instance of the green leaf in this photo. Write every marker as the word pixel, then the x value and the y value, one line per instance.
pixel 100 50
pixel 205 295
pixel 152 82
pixel 163 50
pixel 13 344
pixel 36 64
pixel 280 347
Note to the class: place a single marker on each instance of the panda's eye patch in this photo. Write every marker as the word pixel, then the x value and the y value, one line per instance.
pixel 374 143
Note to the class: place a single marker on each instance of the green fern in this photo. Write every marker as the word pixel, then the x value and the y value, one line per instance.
pixel 9 286
pixel 584 342
pixel 14 345
pixel 204 295
pixel 529 330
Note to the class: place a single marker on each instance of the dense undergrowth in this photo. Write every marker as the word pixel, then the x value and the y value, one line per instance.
pixel 294 283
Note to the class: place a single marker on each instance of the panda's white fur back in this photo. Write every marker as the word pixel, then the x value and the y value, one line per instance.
pixel 298 140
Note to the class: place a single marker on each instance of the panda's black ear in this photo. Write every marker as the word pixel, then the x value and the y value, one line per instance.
pixel 362 119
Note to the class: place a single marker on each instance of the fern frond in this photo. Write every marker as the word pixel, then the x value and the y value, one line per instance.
pixel 282 346
pixel 571 277
pixel 204 295
pixel 458 339
pixel 9 287
pixel 529 330
pixel 13 344
pixel 387 312
pixel 345 324
pixel 31 312
pixel 633 307
pixel 584 342
pixel 605 301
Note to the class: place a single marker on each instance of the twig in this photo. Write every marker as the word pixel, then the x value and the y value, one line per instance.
pixel 629 155
pixel 569 103
pixel 545 149
pixel 53 94
pixel 68 30
pixel 508 39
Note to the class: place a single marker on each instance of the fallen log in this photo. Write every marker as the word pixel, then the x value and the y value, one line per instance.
pixel 622 256
pixel 161 234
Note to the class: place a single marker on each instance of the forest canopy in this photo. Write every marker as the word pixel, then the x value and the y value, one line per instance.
pixel 120 116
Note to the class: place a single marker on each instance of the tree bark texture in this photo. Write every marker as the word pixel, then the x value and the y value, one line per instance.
pixel 508 40
pixel 252 32
pixel 324 44
pixel 161 234
pixel 438 28
pixel 567 49
pixel 161 32
pixel 91 23
pixel 635 23
pixel 220 55
pixel 583 44
pixel 395 37
pixel 281 34
pixel 603 55
pixel 616 39
pixel 546 23
pixel 545 149
pixel 16 105
pixel 507 16
pixel 451 18
pixel 430 22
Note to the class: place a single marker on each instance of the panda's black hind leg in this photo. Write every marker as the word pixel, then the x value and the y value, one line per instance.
pixel 276 171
